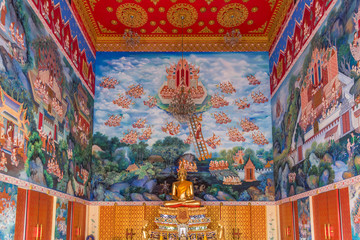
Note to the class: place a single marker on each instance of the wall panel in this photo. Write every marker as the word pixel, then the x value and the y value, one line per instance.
pixel 114 220
pixel 20 214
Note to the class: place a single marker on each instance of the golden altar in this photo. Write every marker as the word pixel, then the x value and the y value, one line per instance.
pixel 183 217
pixel 182 223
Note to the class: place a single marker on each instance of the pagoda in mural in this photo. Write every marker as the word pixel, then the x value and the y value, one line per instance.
pixel 183 75
pixel 321 91
pixel 183 93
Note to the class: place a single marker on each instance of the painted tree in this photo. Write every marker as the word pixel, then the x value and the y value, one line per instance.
pixel 170 148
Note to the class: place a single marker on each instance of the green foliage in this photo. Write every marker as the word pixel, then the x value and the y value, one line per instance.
pixel 321 149
pixel 111 166
pixel 24 19
pixel 306 165
pixel 34 148
pixel 147 170
pixel 139 152
pixel 115 177
pixel 27 168
pixel 49 180
pixel 101 140
pixel 314 171
pixel 249 153
pixel 170 148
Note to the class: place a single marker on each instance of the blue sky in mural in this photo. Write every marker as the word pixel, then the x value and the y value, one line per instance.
pixel 149 69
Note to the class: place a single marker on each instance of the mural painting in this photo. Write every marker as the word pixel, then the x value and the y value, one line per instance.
pixel 61 219
pixel 143 129
pixel 354 195
pixel 45 111
pixel 316 109
pixel 303 205
pixel 8 199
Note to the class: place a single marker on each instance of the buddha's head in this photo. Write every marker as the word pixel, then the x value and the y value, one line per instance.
pixel 182 173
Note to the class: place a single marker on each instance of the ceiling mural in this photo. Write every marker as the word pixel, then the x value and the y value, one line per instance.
pixel 160 23
pixel 207 111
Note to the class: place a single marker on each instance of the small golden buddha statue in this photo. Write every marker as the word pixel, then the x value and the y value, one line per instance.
pixel 221 231
pixel 182 192
pixel 145 234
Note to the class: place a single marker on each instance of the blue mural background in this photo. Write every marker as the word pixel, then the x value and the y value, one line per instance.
pixel 315 123
pixel 128 168
pixel 8 200
pixel 46 111
pixel 61 217
pixel 304 218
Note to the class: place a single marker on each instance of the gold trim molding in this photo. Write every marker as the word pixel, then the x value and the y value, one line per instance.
pixel 189 46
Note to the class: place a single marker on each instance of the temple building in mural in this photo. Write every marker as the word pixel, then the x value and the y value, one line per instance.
pixel 320 111
pixel 325 102
pixel 14 131
pixel 38 105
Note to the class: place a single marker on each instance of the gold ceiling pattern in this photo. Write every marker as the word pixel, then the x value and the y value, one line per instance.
pixel 161 23
pixel 131 15
pixel 182 15
pixel 232 15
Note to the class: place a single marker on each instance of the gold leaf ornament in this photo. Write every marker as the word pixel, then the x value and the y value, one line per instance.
pixel 232 15
pixel 132 15
pixel 182 15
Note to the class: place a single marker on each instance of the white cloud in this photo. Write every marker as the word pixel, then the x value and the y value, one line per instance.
pixel 150 71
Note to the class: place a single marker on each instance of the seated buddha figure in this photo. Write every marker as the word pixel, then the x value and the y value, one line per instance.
pixel 182 192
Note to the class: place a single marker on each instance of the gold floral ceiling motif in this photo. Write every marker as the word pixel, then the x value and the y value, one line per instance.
pixel 182 15
pixel 232 15
pixel 159 23
pixel 131 15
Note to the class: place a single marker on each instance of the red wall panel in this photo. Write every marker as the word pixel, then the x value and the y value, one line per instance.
pixel 286 221
pixel 79 221
pixel 20 214
pixel 345 213
pixel 327 215
pixel 40 215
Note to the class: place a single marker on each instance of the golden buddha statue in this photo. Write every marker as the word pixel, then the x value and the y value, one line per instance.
pixel 182 192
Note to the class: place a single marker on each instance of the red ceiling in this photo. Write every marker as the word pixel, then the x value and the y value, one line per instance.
pixel 160 19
